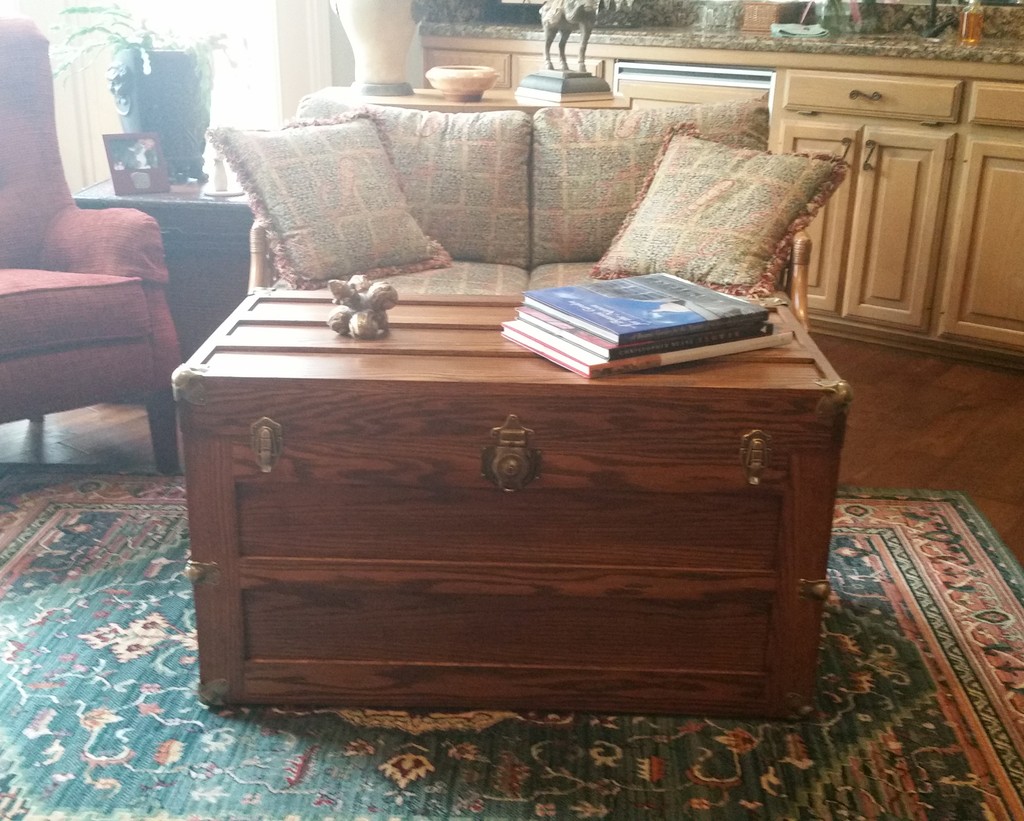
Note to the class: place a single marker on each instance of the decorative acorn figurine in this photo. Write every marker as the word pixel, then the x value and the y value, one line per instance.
pixel 363 306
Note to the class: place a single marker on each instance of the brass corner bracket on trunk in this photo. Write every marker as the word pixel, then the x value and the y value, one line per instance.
pixel 213 693
pixel 187 384
pixel 837 399
pixel 510 464
pixel 815 589
pixel 267 441
pixel 798 706
pixel 202 572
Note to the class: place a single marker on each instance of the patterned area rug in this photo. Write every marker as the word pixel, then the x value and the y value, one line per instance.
pixel 920 708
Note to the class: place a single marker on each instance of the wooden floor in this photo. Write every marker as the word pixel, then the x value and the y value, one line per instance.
pixel 917 421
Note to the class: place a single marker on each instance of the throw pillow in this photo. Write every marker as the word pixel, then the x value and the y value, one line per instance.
pixel 589 166
pixel 330 199
pixel 721 216
pixel 465 175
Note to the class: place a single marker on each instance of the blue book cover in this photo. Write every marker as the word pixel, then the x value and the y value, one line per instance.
pixel 651 306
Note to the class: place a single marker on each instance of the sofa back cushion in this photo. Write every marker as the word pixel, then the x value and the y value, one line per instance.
pixel 589 165
pixel 724 217
pixel 465 175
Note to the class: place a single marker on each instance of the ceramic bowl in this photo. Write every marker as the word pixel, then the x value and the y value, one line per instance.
pixel 462 84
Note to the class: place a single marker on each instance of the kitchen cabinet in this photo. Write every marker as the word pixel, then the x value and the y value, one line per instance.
pixel 984 299
pixel 877 244
pixel 920 246
pixel 511 66
pixel 830 230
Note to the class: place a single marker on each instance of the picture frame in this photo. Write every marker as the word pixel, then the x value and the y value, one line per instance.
pixel 136 163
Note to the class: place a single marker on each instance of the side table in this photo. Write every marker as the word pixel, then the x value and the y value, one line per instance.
pixel 206 244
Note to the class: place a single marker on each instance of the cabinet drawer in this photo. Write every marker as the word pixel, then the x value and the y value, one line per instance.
pixel 502 63
pixel 997 104
pixel 876 95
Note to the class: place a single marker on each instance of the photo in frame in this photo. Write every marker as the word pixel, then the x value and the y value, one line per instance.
pixel 136 163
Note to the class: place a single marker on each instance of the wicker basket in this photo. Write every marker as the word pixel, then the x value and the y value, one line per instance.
pixel 758 17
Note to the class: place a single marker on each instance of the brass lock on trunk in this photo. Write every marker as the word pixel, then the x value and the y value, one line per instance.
pixel 510 464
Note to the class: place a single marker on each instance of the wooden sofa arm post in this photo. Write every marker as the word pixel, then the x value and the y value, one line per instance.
pixel 260 269
pixel 798 276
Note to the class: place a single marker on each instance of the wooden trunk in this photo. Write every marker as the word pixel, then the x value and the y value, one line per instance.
pixel 347 548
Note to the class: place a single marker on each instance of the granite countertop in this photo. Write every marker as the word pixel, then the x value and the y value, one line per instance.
pixel 995 50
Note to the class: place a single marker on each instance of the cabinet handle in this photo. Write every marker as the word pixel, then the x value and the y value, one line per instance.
pixel 874 96
pixel 847 145
pixel 870 145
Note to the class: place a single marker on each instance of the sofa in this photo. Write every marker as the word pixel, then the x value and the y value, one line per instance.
pixel 501 202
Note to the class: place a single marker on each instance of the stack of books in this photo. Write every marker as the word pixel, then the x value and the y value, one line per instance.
pixel 634 324
pixel 563 87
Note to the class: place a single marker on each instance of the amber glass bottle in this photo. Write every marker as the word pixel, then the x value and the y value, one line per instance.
pixel 972 19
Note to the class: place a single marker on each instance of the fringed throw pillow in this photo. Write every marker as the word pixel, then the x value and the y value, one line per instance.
pixel 330 199
pixel 590 164
pixel 724 217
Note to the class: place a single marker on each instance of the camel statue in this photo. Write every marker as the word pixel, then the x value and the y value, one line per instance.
pixel 563 17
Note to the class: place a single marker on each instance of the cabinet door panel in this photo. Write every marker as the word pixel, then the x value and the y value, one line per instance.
pixel 985 299
pixel 829 230
pixel 897 226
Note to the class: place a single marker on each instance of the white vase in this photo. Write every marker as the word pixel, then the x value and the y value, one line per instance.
pixel 380 33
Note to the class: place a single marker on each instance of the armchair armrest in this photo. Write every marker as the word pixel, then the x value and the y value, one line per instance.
pixel 113 241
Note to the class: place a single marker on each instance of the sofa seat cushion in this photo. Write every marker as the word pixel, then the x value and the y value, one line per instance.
pixel 475 278
pixel 589 166
pixel 330 200
pixel 465 175
pixel 51 310
pixel 556 274
pixel 724 217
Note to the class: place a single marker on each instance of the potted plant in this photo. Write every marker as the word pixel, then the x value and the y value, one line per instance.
pixel 160 81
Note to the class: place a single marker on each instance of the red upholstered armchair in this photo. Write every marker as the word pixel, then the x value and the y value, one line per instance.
pixel 83 315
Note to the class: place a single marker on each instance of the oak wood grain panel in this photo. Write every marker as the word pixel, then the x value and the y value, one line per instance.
pixel 700 530
pixel 795 621
pixel 593 689
pixel 337 432
pixel 469 615
pixel 213 535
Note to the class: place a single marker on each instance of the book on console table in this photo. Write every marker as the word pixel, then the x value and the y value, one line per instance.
pixel 592 365
pixel 563 86
pixel 569 338
pixel 647 307
pixel 560 97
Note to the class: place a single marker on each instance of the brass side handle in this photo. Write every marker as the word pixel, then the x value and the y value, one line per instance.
pixel 847 143
pixel 511 465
